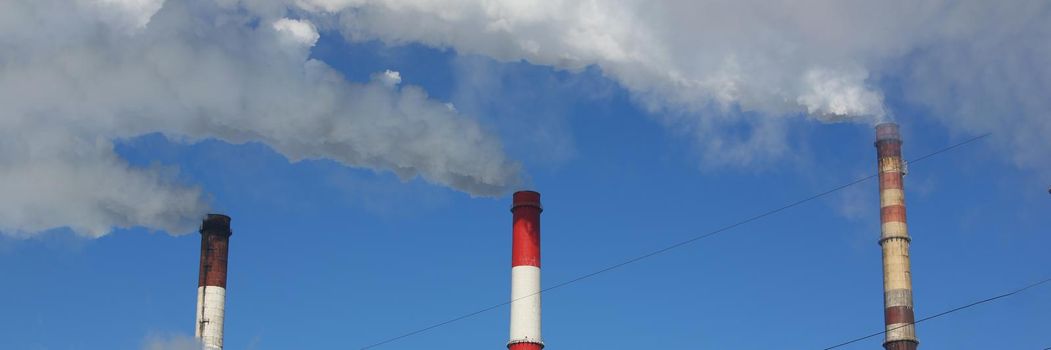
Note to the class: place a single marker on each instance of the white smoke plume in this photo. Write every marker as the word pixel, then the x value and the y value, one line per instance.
pixel 980 65
pixel 76 75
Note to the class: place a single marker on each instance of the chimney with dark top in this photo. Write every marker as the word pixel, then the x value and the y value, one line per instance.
pixel 211 284
pixel 894 240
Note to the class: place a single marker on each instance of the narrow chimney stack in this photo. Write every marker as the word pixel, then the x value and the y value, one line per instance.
pixel 211 285
pixel 525 272
pixel 897 276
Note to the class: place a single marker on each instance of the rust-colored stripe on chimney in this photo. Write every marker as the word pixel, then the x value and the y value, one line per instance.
pixel 525 346
pixel 211 282
pixel 894 240
pixel 215 243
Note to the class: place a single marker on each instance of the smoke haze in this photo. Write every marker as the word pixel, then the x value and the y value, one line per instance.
pixel 978 65
pixel 76 75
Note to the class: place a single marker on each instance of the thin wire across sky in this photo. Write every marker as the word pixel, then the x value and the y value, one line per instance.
pixel 707 235
pixel 943 313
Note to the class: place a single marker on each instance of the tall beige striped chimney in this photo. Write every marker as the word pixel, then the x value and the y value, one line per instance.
pixel 897 276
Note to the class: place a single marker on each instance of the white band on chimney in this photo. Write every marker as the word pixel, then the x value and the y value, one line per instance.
pixel 211 303
pixel 525 305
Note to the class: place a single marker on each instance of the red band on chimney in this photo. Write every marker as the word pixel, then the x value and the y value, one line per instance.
pixel 215 242
pixel 525 346
pixel 890 182
pixel 898 315
pixel 525 248
pixel 893 213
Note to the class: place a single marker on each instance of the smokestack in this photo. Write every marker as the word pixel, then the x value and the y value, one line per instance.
pixel 897 275
pixel 525 272
pixel 211 285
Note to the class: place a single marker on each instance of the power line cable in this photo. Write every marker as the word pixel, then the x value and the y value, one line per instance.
pixel 943 313
pixel 675 245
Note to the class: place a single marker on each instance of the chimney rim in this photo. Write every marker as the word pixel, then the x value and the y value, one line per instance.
pixel 216 222
pixel 217 215
pixel 526 198
pixel 888 131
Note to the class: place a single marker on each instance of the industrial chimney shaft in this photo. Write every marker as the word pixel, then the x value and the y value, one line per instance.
pixel 211 285
pixel 899 317
pixel 525 272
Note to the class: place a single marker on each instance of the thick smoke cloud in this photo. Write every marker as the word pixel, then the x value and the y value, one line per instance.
pixel 77 75
pixel 980 65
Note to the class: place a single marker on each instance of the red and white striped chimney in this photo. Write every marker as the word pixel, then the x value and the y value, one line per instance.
pixel 525 272
pixel 211 285
pixel 894 240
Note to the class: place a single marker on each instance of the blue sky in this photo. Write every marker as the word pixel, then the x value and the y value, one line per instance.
pixel 330 256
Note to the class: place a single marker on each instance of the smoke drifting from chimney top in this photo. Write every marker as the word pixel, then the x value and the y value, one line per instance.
pixel 196 69
pixel 972 63
pixel 76 75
